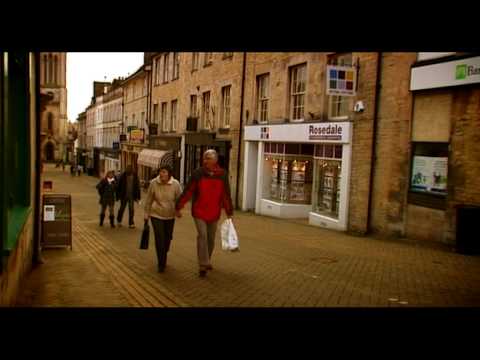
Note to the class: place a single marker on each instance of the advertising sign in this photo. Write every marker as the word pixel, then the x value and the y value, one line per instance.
pixel 137 135
pixel 341 80
pixel 429 174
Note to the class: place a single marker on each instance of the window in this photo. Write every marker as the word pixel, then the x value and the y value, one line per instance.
pixel 225 106
pixel 133 120
pixel 165 68
pixel 164 117
pixel 288 172
pixel 173 116
pixel 50 68
pixel 143 120
pixel 155 113
pixel 339 106
pixel 429 168
pixel 195 60
pixel 207 58
pixel 145 86
pixel 206 110
pixel 157 70
pixel 15 90
pixel 297 91
pixel 227 55
pixel 45 65
pixel 193 106
pixel 263 90
pixel 176 66
pixel 50 122
pixel 55 69
pixel 328 165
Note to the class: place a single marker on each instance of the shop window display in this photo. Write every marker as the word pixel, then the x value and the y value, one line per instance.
pixel 328 166
pixel 288 177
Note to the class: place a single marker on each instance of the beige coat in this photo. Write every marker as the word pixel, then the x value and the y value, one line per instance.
pixel 161 198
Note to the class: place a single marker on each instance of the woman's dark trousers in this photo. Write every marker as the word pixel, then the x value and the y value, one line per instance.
pixel 163 230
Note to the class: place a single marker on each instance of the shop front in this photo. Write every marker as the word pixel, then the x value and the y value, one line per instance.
pixel 149 161
pixel 172 145
pixel 299 171
pixel 196 144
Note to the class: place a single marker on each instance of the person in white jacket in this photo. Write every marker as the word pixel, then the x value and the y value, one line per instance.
pixel 162 195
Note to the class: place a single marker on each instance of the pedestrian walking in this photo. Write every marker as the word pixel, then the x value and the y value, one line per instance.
pixel 128 192
pixel 163 192
pixel 210 191
pixel 79 170
pixel 72 169
pixel 106 189
pixel 63 166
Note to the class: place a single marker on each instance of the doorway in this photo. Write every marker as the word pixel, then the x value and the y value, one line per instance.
pixel 50 152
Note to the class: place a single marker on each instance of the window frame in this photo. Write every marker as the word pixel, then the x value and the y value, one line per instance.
pixel 224 109
pixel 292 96
pixel 260 101
pixel 195 61
pixel 164 116
pixel 206 111
pixel 194 106
pixel 173 115
pixel 341 59
pixel 165 64
pixel 176 66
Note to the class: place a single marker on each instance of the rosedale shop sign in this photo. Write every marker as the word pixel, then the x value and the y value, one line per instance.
pixel 335 132
pixel 450 73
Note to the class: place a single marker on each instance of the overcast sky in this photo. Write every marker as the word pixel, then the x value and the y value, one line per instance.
pixel 85 68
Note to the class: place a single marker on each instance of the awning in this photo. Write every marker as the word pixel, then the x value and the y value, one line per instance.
pixel 155 158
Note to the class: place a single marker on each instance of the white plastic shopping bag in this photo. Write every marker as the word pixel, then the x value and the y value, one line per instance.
pixel 229 236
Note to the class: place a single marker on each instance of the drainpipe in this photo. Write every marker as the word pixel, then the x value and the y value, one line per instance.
pixel 374 139
pixel 240 128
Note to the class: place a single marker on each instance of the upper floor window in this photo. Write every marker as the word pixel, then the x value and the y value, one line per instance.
pixel 164 117
pixel 176 66
pixel 206 110
pixel 297 91
pixel 207 58
pixel 157 70
pixel 263 93
pixel 225 106
pixel 165 67
pixel 227 55
pixel 339 106
pixel 193 106
pixel 173 116
pixel 195 60
pixel 155 113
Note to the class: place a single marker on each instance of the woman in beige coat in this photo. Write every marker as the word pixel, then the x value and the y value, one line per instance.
pixel 163 192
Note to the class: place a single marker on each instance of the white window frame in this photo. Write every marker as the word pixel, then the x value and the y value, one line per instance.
pixel 193 105
pixel 225 107
pixel 195 61
pixel 333 99
pixel 293 93
pixel 165 68
pixel 206 111
pixel 164 111
pixel 173 115
pixel 263 100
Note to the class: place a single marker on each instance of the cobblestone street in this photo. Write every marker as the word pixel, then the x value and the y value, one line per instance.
pixel 281 263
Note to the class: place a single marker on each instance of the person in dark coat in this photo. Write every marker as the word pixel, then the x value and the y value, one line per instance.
pixel 106 189
pixel 128 192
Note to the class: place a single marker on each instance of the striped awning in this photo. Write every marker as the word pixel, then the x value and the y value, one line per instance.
pixel 155 158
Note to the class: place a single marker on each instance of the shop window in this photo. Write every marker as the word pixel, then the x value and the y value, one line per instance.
pixel 288 177
pixel 15 120
pixel 328 166
pixel 429 174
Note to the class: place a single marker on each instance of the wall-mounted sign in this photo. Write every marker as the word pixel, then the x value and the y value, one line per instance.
pixel 334 132
pixel 137 135
pixel 450 73
pixel 341 80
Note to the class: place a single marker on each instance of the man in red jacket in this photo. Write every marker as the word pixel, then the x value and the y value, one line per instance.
pixel 210 190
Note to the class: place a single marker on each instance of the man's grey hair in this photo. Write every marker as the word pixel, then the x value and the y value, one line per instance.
pixel 210 153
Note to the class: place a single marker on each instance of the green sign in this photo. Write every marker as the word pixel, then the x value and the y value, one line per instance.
pixel 461 72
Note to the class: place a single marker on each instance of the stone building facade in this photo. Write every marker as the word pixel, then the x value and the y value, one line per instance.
pixel 53 71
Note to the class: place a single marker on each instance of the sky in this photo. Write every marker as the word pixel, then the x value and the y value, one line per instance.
pixel 84 68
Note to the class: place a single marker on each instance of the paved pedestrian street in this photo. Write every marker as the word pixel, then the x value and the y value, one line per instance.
pixel 281 263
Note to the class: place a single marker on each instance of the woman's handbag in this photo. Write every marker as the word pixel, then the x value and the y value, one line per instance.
pixel 145 236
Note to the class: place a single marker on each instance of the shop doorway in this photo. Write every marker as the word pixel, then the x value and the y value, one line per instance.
pixel 50 152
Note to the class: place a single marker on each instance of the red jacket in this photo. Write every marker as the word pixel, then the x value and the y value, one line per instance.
pixel 210 191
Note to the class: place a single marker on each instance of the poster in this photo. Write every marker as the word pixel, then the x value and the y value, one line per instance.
pixel 49 213
pixel 429 174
